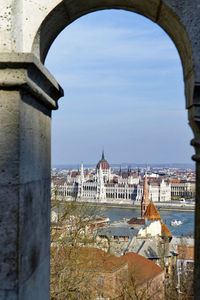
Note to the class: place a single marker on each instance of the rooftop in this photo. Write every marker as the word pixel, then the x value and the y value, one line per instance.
pixel 143 269
pixel 118 232
pixel 152 213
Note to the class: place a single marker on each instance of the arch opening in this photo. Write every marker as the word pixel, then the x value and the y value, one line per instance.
pixel 117 67
pixel 112 195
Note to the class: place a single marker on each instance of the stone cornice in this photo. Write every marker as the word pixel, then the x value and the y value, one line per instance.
pixel 25 71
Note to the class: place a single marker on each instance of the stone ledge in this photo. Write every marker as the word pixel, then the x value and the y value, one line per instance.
pixel 25 71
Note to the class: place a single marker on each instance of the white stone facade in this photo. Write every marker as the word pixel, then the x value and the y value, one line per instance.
pixel 159 191
pixel 153 229
pixel 183 188
pixel 105 187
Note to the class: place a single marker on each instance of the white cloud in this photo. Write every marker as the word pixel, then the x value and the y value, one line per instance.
pixel 83 44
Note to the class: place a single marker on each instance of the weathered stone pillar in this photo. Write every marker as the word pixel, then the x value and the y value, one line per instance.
pixel 194 119
pixel 28 93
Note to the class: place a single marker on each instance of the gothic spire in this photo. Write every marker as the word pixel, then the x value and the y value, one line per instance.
pixel 103 158
pixel 146 191
pixel 145 199
pixel 120 171
pixel 129 171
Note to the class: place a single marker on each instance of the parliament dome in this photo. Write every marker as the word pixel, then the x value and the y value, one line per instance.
pixel 103 163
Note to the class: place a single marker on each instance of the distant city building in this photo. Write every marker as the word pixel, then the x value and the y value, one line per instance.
pixel 104 186
pixel 146 235
pixel 182 188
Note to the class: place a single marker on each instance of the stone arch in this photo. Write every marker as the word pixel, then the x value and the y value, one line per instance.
pixel 157 11
pixel 28 93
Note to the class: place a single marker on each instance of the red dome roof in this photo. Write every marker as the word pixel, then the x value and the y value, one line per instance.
pixel 103 163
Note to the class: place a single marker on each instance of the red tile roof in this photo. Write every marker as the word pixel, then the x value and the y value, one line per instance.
pixel 152 213
pixel 92 258
pixel 175 181
pixel 165 230
pixel 140 267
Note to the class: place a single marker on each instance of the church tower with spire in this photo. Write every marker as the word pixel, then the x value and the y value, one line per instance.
pixel 145 199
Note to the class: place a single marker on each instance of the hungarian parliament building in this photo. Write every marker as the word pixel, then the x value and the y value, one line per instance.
pixel 105 187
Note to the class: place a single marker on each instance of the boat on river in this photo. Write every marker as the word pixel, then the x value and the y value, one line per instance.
pixel 176 222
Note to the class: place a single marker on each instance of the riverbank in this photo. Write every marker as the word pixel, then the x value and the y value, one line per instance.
pixel 160 206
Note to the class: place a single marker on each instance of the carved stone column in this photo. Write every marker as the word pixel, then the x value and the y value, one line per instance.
pixel 194 120
pixel 28 93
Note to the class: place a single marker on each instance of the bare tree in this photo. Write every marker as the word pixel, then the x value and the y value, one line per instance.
pixel 70 278
pixel 179 280
pixel 185 272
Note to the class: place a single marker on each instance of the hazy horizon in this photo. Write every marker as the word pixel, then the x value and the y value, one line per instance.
pixel 127 164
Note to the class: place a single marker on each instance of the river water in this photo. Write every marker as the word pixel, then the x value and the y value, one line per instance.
pixel 187 228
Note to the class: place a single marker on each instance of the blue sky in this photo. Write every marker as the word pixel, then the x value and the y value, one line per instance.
pixel 124 92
